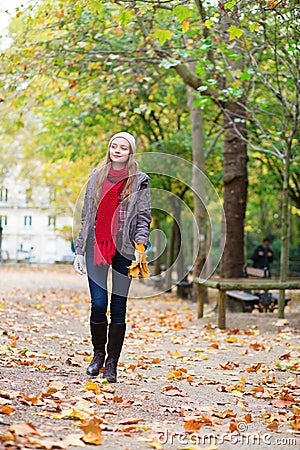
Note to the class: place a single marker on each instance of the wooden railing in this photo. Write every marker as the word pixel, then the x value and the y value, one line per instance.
pixel 224 285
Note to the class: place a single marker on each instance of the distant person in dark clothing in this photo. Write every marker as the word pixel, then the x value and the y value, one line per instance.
pixel 263 255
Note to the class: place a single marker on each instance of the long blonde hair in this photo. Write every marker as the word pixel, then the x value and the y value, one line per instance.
pixel 102 174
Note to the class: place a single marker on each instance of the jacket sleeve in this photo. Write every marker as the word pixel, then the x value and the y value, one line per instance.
pixel 270 258
pixel 255 255
pixel 85 216
pixel 143 215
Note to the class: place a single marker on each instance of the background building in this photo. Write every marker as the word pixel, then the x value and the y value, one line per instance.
pixel 30 226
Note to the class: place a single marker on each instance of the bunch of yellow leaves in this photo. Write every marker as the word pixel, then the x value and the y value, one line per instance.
pixel 139 268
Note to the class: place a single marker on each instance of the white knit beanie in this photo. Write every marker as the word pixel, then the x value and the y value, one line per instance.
pixel 127 136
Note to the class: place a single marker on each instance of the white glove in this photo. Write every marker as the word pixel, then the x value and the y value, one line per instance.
pixel 79 264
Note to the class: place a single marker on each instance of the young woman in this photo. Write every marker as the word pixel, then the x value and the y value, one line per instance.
pixel 116 214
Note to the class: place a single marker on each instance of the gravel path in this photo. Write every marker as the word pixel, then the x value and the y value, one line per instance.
pixel 180 379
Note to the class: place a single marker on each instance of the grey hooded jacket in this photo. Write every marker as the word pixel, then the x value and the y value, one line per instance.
pixel 138 215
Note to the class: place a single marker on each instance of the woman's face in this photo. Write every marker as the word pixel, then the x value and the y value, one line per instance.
pixel 119 151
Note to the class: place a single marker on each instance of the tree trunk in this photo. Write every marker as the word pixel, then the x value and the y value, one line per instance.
pixel 199 240
pixel 176 209
pixel 156 226
pixel 235 149
pixel 170 258
pixel 235 189
pixel 284 254
pixel 198 185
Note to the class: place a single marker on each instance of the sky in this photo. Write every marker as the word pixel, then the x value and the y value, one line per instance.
pixel 10 6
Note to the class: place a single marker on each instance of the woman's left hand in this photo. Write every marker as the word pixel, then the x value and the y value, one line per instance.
pixel 139 267
pixel 79 264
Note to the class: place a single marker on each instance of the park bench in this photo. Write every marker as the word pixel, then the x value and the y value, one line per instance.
pixel 185 286
pixel 225 285
pixel 157 281
pixel 247 300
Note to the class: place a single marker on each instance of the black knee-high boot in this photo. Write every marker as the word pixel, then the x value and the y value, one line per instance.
pixel 116 336
pixel 99 338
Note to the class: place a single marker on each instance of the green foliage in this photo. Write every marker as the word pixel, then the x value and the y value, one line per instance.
pixel 87 68
pixel 182 12
pixel 234 32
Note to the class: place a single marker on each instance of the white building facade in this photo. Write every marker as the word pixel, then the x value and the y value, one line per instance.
pixel 29 226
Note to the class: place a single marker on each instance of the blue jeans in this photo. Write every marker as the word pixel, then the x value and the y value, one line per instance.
pixel 97 278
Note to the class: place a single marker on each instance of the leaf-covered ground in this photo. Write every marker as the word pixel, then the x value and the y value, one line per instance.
pixel 182 382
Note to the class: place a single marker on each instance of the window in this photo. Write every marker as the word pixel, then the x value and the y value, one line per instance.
pixel 3 194
pixel 3 221
pixel 51 221
pixel 28 195
pixel 52 194
pixel 27 221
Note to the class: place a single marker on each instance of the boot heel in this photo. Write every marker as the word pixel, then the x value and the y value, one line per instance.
pixel 116 336
pixel 110 370
pixel 96 364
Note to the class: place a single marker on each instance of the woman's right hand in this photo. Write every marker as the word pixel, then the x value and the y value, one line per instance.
pixel 79 264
